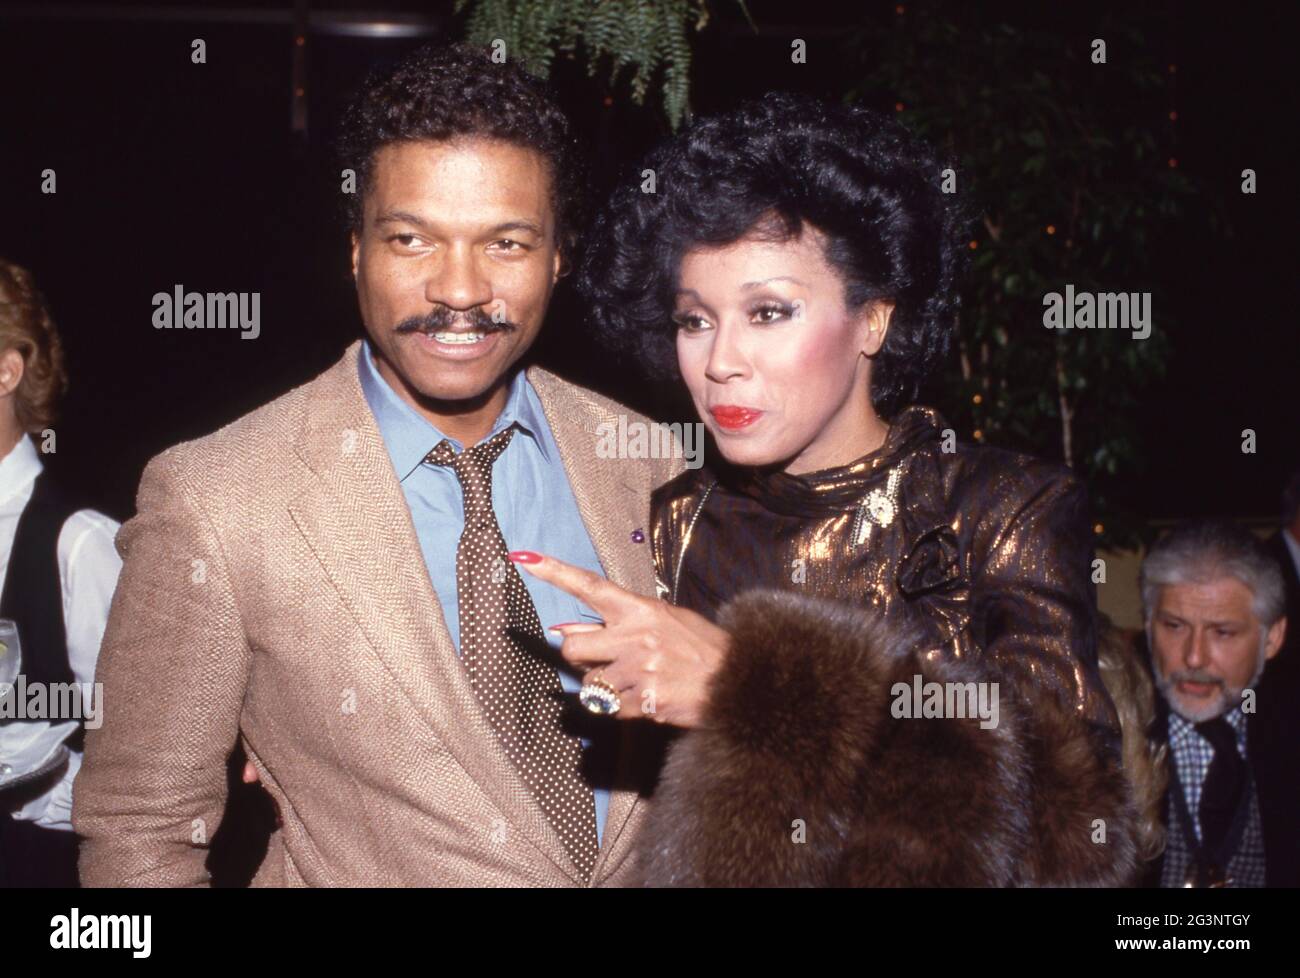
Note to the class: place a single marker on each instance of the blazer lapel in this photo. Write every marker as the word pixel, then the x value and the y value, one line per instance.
pixel 357 523
pixel 613 497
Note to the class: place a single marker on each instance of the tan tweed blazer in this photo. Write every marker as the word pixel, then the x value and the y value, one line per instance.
pixel 273 590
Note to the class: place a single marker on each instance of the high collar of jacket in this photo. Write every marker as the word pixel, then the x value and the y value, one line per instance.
pixel 835 490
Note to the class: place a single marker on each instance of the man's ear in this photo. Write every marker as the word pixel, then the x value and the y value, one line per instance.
pixel 876 318
pixel 560 265
pixel 11 371
pixel 356 252
pixel 1276 635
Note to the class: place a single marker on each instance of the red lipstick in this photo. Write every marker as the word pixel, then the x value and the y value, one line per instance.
pixel 734 417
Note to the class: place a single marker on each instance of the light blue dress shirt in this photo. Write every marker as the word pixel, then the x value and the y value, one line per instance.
pixel 531 496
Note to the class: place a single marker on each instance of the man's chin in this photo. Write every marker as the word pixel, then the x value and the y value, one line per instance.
pixel 458 390
pixel 456 380
pixel 1195 709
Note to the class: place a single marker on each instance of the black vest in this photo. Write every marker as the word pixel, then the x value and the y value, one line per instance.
pixel 33 592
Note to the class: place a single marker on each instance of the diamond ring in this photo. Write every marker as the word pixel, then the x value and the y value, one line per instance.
pixel 599 697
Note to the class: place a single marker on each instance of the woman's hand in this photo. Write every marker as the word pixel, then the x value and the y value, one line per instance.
pixel 659 658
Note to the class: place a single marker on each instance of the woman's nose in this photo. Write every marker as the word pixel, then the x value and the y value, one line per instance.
pixel 727 357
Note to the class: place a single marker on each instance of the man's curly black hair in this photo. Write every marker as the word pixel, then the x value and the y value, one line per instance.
pixel 442 92
pixel 769 168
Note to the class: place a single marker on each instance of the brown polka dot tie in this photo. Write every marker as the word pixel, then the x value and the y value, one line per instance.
pixel 520 693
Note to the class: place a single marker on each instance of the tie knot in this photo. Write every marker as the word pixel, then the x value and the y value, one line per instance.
pixel 1220 734
pixel 473 466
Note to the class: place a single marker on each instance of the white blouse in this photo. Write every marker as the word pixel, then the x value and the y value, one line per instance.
pixel 88 569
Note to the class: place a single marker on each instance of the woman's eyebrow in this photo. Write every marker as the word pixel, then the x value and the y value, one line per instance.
pixel 775 278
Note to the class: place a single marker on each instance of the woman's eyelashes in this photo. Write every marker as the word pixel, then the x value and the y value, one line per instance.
pixel 689 322
pixel 765 313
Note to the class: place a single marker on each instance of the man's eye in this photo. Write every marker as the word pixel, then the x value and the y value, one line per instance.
pixel 508 244
pixel 405 240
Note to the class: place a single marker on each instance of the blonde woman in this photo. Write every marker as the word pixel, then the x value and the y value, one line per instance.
pixel 58 570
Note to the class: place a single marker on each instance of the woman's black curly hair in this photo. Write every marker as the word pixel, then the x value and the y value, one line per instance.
pixel 768 168
pixel 442 92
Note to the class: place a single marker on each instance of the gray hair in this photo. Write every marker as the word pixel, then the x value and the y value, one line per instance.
pixel 1201 551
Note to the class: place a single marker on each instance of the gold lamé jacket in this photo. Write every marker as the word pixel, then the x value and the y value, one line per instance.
pixel 989 552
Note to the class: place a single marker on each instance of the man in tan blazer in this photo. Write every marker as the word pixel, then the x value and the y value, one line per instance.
pixel 277 584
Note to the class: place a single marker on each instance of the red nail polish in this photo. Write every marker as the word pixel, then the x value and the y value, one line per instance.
pixel 525 557
pixel 563 624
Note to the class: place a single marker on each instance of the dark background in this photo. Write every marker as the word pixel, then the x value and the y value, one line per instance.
pixel 170 172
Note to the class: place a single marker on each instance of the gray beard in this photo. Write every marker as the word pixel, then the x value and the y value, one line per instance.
pixel 1229 699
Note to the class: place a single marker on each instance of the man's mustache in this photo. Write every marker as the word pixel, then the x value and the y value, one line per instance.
pixel 442 318
pixel 1195 677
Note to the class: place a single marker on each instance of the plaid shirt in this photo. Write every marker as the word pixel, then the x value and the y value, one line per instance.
pixel 1192 754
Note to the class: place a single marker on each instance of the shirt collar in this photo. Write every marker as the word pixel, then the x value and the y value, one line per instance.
pixel 1237 721
pixel 1180 730
pixel 19 469
pixel 1183 731
pixel 409 436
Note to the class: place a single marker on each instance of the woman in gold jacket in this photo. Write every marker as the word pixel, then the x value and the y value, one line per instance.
pixel 879 644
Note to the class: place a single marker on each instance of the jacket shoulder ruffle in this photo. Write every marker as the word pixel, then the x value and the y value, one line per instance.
pixel 996 485
pixel 801 775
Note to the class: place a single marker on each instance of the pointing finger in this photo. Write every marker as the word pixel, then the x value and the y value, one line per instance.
pixel 606 598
